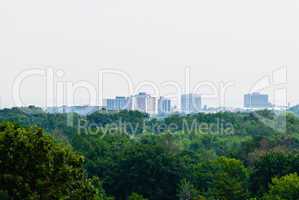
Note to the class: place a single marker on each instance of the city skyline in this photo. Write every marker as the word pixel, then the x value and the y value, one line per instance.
pixel 190 103
pixel 61 92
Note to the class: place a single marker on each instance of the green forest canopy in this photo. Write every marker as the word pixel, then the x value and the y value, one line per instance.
pixel 257 158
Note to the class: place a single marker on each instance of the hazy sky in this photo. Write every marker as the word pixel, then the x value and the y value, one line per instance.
pixel 233 41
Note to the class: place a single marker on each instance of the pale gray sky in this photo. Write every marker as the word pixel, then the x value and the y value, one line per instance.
pixel 231 40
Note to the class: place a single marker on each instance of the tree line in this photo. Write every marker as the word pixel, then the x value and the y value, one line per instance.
pixel 259 160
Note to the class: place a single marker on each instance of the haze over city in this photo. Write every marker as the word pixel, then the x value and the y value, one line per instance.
pixel 220 41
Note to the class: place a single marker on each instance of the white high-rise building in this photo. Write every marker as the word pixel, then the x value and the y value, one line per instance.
pixel 140 101
pixel 164 106
pixel 151 105
pixel 190 103
pixel 144 103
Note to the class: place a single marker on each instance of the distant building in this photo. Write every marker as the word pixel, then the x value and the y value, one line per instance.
pixel 144 103
pixel 164 106
pixel 151 105
pixel 109 104
pixel 84 110
pixel 205 107
pixel 118 103
pixel 81 110
pixel 190 103
pixel 54 110
pixel 256 100
pixel 140 102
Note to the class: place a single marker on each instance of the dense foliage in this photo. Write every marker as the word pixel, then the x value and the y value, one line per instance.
pixel 220 156
pixel 33 166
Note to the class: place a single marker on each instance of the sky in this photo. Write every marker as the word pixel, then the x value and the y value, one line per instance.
pixel 244 46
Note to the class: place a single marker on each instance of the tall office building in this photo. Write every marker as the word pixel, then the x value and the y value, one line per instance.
pixel 164 105
pixel 151 105
pixel 190 103
pixel 256 100
pixel 109 104
pixel 140 101
pixel 122 103
pixel 118 103
pixel 144 103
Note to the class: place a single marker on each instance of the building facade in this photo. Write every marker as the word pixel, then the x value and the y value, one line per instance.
pixel 256 100
pixel 151 105
pixel 140 101
pixel 164 106
pixel 190 103
pixel 144 103
pixel 118 103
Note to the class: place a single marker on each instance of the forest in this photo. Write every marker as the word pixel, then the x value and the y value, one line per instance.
pixel 129 155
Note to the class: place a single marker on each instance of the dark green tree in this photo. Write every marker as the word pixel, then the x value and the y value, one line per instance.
pixel 34 166
pixel 272 164
pixel 222 179
pixel 187 191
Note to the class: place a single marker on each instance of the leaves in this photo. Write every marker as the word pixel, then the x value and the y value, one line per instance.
pixel 284 188
pixel 33 166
